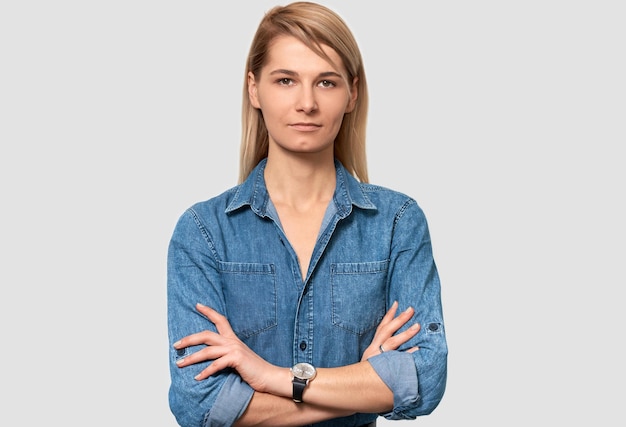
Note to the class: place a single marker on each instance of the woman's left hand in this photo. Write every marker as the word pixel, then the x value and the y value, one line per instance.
pixel 387 328
pixel 226 350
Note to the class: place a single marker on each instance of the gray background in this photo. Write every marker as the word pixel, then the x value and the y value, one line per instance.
pixel 505 120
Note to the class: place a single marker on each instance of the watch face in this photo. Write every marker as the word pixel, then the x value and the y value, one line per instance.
pixel 305 371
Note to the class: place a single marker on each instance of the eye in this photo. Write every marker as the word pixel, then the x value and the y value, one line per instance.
pixel 285 81
pixel 327 83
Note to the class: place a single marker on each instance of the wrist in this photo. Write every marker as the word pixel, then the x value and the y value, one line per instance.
pixel 279 382
pixel 302 374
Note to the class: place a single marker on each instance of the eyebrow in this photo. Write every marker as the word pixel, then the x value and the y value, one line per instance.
pixel 293 73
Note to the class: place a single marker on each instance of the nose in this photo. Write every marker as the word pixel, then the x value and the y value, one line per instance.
pixel 306 101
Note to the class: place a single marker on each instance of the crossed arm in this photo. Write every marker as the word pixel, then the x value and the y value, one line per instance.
pixel 330 395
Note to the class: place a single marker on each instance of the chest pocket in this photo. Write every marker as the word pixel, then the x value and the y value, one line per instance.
pixel 250 296
pixel 358 295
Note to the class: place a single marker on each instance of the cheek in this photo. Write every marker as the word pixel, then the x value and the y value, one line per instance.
pixel 273 105
pixel 339 113
pixel 339 106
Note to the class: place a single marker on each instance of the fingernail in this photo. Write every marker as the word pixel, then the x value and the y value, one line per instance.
pixel 408 309
pixel 200 305
pixel 180 361
pixel 415 326
pixel 176 344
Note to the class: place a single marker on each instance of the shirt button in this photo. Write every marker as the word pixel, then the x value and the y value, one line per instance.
pixel 302 346
pixel 433 327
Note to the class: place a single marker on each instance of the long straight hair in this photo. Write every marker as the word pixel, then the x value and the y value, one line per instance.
pixel 314 25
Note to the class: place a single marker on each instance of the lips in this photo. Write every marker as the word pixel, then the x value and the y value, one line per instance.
pixel 305 127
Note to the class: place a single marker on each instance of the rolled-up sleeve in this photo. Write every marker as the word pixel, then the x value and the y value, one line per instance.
pixel 413 394
pixel 231 402
pixel 397 371
pixel 192 278
pixel 417 379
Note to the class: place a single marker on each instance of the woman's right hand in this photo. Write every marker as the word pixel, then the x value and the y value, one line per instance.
pixel 384 338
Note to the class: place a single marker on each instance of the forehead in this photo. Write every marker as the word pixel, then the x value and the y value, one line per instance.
pixel 286 52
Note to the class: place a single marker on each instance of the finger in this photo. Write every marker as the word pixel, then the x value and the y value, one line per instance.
pixel 206 354
pixel 387 330
pixel 216 366
pixel 391 313
pixel 397 340
pixel 219 320
pixel 402 319
pixel 204 337
pixel 209 312
pixel 383 329
pixel 405 316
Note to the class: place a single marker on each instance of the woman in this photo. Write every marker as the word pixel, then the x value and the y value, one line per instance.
pixel 283 291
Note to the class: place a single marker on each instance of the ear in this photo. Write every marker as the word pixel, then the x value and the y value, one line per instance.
pixel 354 94
pixel 253 91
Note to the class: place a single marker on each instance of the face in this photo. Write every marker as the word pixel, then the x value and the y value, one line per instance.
pixel 302 96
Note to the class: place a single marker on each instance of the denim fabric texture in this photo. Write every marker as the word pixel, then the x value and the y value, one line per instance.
pixel 374 248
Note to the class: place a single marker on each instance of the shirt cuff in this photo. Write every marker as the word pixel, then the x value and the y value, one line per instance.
pixel 397 370
pixel 231 402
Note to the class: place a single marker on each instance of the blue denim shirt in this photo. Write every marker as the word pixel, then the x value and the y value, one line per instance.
pixel 374 248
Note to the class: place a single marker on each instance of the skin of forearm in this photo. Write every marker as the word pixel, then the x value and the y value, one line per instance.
pixel 356 388
pixel 267 410
pixel 334 392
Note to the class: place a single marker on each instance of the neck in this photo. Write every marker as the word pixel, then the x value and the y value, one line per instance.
pixel 300 183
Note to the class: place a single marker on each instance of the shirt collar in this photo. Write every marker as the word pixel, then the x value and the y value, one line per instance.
pixel 253 192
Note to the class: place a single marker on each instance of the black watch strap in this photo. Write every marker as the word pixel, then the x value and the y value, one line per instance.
pixel 298 387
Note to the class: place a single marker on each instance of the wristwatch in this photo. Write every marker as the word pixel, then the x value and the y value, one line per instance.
pixel 302 374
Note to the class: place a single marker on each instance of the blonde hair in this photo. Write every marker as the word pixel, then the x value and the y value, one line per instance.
pixel 314 25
